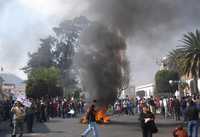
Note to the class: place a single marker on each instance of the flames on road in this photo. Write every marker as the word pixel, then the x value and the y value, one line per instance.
pixel 100 117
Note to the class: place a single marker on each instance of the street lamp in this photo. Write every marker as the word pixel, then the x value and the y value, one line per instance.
pixel 170 82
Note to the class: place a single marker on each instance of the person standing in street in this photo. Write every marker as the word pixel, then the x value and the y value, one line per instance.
pixel 147 122
pixel 92 126
pixel 183 107
pixel 165 106
pixel 152 105
pixel 177 106
pixel 18 118
pixel 192 115
pixel 43 117
pixel 30 112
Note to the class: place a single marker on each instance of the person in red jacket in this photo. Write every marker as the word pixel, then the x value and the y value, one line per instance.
pixel 180 132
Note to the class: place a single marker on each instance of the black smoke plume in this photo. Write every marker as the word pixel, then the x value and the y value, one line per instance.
pixel 152 20
pixel 133 16
pixel 102 63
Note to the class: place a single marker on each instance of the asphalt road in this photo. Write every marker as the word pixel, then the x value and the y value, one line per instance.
pixel 120 126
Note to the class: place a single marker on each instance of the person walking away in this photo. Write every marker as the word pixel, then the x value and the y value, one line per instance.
pixel 180 132
pixel 177 107
pixel 18 118
pixel 30 112
pixel 92 126
pixel 192 114
pixel 147 119
pixel 183 108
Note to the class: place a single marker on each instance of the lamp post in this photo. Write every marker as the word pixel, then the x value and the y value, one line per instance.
pixel 170 83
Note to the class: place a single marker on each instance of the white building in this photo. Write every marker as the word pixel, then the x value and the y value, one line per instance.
pixel 130 92
pixel 146 90
pixel 12 85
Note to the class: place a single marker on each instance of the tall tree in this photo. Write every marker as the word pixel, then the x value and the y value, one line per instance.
pixel 162 78
pixel 187 56
pixel 58 50
pixel 43 57
pixel 67 41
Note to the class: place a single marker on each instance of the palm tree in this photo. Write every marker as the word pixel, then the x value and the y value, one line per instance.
pixel 187 56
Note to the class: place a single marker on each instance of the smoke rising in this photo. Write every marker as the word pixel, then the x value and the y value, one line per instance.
pixel 3 3
pixel 133 16
pixel 152 26
pixel 130 16
pixel 102 62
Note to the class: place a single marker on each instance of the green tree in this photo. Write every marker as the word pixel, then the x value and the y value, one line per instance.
pixel 172 64
pixel 187 56
pixel 43 57
pixel 58 50
pixel 67 41
pixel 44 81
pixel 162 78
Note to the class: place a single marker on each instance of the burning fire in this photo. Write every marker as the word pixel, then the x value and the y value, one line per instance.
pixel 100 117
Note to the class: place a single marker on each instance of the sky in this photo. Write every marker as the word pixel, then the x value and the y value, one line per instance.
pixel 24 22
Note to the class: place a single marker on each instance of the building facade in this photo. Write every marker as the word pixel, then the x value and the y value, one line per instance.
pixel 11 85
pixel 146 90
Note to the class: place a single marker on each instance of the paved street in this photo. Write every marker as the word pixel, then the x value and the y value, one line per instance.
pixel 121 126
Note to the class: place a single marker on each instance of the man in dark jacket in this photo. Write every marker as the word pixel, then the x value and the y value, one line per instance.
pixel 92 126
pixel 183 108
pixel 192 114
pixel 146 119
pixel 177 107
pixel 30 111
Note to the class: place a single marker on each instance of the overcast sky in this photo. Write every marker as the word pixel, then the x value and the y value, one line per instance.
pixel 24 22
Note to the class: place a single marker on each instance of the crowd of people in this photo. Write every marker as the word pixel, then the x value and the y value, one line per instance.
pixel 57 107
pixel 187 107
pixel 124 106
pixel 184 109
pixel 171 107
pixel 40 110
